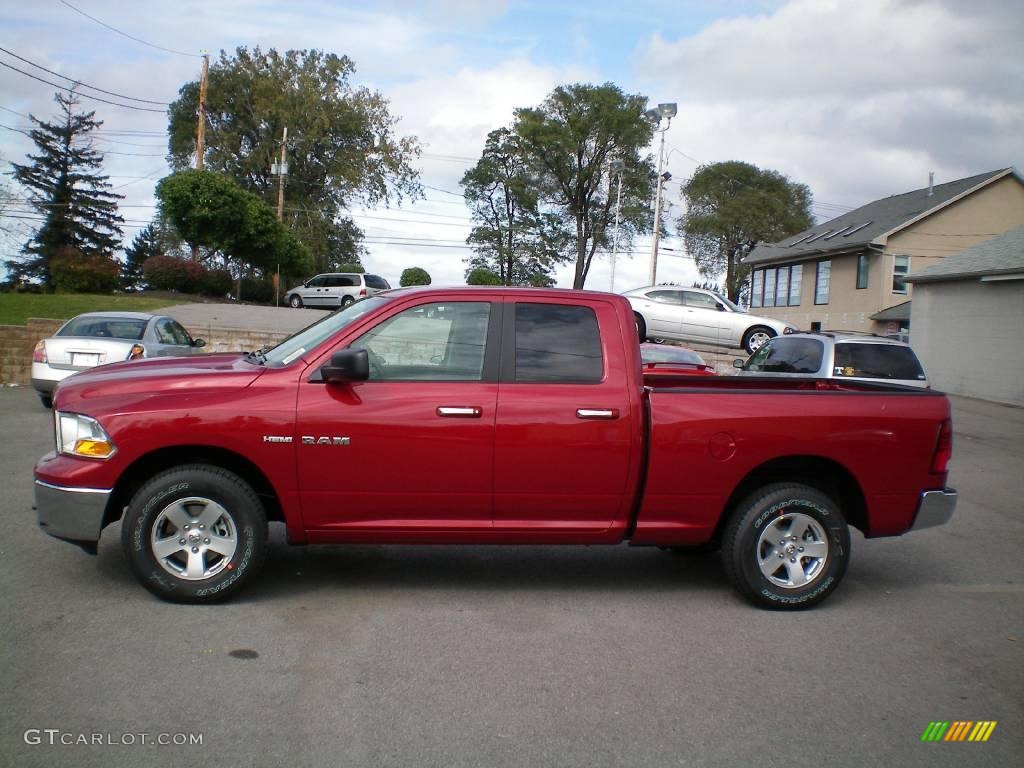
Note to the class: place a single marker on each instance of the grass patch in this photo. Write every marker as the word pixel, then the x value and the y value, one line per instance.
pixel 17 308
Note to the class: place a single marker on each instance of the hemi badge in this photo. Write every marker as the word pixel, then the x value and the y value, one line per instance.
pixel 276 439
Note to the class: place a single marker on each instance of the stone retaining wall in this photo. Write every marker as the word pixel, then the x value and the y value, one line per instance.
pixel 18 341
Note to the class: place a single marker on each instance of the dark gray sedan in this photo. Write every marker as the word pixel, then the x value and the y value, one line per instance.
pixel 97 338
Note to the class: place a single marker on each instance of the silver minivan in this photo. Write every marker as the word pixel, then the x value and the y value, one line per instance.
pixel 335 289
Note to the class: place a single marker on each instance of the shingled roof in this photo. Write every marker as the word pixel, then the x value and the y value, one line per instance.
pixel 853 230
pixel 1002 255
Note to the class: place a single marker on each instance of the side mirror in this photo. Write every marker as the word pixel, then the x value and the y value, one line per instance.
pixel 721 307
pixel 198 342
pixel 347 365
pixel 738 363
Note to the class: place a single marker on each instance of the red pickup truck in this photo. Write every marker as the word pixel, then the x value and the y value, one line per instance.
pixel 484 416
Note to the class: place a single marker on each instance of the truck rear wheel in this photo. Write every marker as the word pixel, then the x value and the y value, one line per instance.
pixel 195 534
pixel 786 547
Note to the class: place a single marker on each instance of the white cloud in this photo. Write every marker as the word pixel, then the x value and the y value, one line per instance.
pixel 857 99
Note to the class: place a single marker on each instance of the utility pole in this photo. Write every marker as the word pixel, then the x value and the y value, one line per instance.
pixel 201 130
pixel 617 166
pixel 667 112
pixel 281 169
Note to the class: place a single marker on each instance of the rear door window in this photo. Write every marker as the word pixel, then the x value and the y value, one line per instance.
pixel 878 361
pixel 787 355
pixel 375 281
pixel 557 343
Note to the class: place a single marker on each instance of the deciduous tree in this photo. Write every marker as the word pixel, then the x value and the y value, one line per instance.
pixel 510 236
pixel 342 147
pixel 731 206
pixel 568 142
pixel 210 210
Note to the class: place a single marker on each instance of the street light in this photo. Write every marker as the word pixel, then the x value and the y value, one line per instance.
pixel 664 112
pixel 616 167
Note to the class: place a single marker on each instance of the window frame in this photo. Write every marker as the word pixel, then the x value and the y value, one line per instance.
pixel 795 269
pixel 774 272
pixel 863 270
pixel 756 288
pixel 906 287
pixel 827 264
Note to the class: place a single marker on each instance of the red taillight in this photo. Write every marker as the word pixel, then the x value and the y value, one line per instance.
pixel 943 448
pixel 137 352
pixel 39 353
pixel 362 291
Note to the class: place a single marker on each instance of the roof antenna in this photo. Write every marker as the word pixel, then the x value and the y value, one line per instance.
pixel 931 183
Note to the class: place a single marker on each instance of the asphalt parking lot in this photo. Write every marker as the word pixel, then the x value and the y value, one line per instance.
pixel 476 656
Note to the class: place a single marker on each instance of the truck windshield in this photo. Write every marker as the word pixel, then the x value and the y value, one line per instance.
pixel 313 335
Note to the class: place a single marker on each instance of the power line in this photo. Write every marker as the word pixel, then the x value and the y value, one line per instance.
pixel 79 82
pixel 13 112
pixel 125 34
pixel 83 95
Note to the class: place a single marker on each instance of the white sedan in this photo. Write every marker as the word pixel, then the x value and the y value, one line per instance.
pixel 698 315
pixel 96 338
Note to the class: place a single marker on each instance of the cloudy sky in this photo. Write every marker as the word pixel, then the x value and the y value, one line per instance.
pixel 858 99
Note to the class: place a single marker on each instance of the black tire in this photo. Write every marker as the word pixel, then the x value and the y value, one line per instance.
pixel 756 336
pixel 295 301
pixel 46 400
pixel 191 491
pixel 749 540
pixel 346 300
pixel 641 327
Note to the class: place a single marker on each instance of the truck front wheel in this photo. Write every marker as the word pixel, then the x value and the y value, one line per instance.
pixel 786 547
pixel 195 534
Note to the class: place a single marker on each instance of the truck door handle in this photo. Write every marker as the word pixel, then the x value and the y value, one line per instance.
pixel 460 411
pixel 597 413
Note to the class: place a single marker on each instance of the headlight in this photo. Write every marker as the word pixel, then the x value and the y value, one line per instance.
pixel 79 435
pixel 789 329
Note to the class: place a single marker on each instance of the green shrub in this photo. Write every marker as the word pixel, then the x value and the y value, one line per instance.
pixel 258 290
pixel 167 273
pixel 75 272
pixel 482 276
pixel 351 267
pixel 414 276
pixel 216 282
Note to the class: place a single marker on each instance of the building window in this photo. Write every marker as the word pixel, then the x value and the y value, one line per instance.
pixel 782 287
pixel 862 270
pixel 900 268
pixel 796 276
pixel 821 281
pixel 769 287
pixel 756 287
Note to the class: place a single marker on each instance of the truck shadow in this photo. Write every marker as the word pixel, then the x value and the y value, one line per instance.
pixel 297 570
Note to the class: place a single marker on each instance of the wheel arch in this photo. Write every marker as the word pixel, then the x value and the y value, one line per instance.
pixel 151 464
pixel 818 472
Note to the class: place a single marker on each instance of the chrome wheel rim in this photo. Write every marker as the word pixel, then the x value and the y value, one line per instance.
pixel 792 550
pixel 193 538
pixel 758 339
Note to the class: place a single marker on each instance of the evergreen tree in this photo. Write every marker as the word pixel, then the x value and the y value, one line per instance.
pixel 75 202
pixel 156 239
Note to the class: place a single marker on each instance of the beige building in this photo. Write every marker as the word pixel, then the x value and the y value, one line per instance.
pixel 838 275
pixel 967 314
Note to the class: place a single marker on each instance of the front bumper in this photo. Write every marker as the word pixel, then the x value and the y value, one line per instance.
pixel 72 514
pixel 934 508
